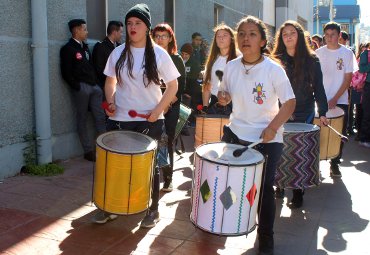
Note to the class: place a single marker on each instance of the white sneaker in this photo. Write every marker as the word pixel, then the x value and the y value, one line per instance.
pixel 365 144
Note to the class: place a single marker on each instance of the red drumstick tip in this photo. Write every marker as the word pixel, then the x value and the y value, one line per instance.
pixel 132 113
pixel 199 107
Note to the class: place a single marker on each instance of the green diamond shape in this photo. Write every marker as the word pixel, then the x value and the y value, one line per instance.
pixel 205 191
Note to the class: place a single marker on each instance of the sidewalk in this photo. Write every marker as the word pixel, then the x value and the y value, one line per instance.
pixel 51 215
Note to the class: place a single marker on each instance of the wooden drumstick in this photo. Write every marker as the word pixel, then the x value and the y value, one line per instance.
pixel 238 152
pixel 219 75
pixel 342 137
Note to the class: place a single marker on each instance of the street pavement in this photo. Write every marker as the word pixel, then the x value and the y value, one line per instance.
pixel 51 215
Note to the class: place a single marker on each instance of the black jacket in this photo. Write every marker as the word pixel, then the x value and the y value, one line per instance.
pixel 100 55
pixel 308 91
pixel 179 63
pixel 76 64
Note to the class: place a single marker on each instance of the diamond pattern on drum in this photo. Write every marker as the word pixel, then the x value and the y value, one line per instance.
pixel 205 191
pixel 251 196
pixel 228 198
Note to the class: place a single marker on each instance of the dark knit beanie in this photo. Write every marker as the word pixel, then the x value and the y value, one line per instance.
pixel 187 48
pixel 140 11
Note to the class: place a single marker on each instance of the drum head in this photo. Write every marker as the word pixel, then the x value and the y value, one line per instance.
pixel 222 153
pixel 299 127
pixel 332 113
pixel 128 142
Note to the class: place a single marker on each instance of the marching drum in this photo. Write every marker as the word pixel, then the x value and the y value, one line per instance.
pixel 209 128
pixel 299 163
pixel 183 117
pixel 226 189
pixel 123 174
pixel 329 140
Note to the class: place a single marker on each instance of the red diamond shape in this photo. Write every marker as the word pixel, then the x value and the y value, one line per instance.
pixel 251 196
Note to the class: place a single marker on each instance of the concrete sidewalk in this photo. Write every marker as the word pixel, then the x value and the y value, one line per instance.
pixel 51 215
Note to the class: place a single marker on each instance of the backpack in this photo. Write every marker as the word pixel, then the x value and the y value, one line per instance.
pixel 358 79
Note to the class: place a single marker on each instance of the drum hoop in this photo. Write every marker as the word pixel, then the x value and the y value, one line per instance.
pixel 212 116
pixel 225 164
pixel 127 153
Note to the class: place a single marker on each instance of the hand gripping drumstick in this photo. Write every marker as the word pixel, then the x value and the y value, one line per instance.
pixel 238 152
pixel 342 137
pixel 134 114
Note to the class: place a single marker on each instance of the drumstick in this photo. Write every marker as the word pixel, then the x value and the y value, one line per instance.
pixel 134 114
pixel 342 137
pixel 240 151
pixel 219 75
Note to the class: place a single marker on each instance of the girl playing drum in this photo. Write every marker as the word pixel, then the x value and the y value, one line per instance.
pixel 256 84
pixel 134 71
pixel 304 72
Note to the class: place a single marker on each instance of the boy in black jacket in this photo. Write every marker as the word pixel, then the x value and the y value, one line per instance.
pixel 78 71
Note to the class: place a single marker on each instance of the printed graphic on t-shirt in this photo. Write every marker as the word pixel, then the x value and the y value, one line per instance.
pixel 87 55
pixel 340 64
pixel 259 93
pixel 187 69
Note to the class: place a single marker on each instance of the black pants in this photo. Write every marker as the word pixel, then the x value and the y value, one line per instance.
pixel 365 124
pixel 154 131
pixel 170 121
pixel 337 159
pixel 267 206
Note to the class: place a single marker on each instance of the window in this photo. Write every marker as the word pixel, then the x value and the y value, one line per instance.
pixel 96 19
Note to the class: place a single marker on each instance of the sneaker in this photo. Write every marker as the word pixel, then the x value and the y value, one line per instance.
pixel 334 171
pixel 150 220
pixel 364 144
pixel 102 217
pixel 279 193
pixel 297 200
pixel 90 156
pixel 265 245
pixel 167 186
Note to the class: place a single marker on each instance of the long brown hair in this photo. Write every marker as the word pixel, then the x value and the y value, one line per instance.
pixel 150 63
pixel 304 57
pixel 215 50
pixel 164 27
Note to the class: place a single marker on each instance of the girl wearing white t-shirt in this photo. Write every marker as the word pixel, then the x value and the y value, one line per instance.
pixel 256 84
pixel 134 71
pixel 223 49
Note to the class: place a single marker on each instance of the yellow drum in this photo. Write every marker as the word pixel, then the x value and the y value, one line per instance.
pixel 123 172
pixel 329 140
pixel 209 128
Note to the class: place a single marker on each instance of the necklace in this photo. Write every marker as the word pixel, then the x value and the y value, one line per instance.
pixel 250 63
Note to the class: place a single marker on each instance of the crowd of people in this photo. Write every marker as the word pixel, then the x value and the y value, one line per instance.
pixel 293 73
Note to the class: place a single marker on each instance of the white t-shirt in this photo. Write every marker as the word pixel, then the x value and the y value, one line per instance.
pixel 256 96
pixel 334 65
pixel 132 94
pixel 219 64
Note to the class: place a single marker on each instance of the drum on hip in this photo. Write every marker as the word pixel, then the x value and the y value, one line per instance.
pixel 226 189
pixel 123 172
pixel 299 164
pixel 209 128
pixel 329 140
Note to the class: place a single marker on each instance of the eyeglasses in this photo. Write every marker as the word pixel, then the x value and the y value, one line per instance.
pixel 163 37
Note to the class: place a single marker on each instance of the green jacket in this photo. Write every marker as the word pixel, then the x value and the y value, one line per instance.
pixel 364 64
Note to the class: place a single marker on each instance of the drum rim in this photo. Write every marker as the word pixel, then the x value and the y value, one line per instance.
pixel 224 164
pixel 314 126
pixel 126 153
pixel 335 117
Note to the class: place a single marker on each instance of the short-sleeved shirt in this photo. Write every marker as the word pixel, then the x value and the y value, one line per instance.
pixel 132 94
pixel 334 65
pixel 219 64
pixel 256 96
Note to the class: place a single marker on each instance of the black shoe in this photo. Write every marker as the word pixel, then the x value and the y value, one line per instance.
pixel 150 220
pixel 167 186
pixel 265 245
pixel 334 171
pixel 297 200
pixel 90 156
pixel 279 193
pixel 102 217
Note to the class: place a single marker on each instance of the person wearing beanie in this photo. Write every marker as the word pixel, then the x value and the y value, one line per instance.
pixel 134 72
pixel 193 89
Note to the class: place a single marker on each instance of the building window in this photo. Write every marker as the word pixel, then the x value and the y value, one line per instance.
pixel 169 12
pixel 218 14
pixel 96 19
pixel 302 21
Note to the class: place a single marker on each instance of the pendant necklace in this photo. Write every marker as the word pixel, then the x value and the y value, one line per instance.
pixel 250 63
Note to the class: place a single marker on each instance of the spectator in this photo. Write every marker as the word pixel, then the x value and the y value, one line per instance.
pixel 365 124
pixel 199 52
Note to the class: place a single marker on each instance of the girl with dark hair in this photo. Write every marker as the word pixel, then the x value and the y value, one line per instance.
pixel 163 36
pixel 134 71
pixel 223 49
pixel 304 72
pixel 256 84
